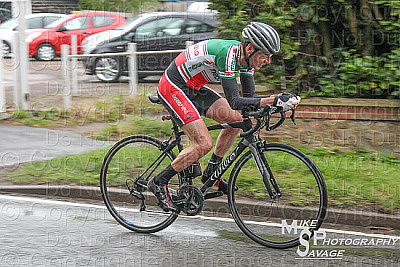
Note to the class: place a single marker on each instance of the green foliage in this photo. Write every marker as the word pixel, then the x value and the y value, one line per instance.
pixel 124 6
pixel 235 15
pixel 362 76
pixel 329 48
pixel 80 169
pixel 20 114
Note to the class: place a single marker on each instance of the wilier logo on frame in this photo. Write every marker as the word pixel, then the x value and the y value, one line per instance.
pixel 305 252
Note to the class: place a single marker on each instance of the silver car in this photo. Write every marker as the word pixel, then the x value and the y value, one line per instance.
pixel 33 21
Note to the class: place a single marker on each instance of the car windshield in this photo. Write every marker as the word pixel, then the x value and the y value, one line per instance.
pixel 128 24
pixel 9 24
pixel 55 23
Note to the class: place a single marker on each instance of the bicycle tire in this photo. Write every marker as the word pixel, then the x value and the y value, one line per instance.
pixel 261 219
pixel 123 163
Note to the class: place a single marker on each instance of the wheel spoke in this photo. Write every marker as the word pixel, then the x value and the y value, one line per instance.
pixel 107 69
pixel 303 196
pixel 124 163
pixel 45 52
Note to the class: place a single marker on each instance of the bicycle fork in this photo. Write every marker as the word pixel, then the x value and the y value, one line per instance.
pixel 256 149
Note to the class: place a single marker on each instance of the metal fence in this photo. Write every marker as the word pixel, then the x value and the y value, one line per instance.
pixel 70 74
pixel 70 82
pixel 21 87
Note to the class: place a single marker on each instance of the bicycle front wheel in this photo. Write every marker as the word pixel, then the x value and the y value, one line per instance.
pixel 303 202
pixel 123 180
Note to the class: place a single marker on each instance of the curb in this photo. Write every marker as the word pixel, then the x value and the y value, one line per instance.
pixel 4 116
pixel 219 207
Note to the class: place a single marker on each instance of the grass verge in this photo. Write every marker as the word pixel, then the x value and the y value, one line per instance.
pixel 110 110
pixel 353 178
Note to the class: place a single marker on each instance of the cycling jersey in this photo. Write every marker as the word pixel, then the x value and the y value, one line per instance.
pixel 210 61
pixel 207 61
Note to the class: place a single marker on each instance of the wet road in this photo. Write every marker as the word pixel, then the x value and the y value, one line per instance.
pixel 21 144
pixel 50 232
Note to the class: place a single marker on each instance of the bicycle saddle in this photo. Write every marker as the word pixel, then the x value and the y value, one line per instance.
pixel 154 99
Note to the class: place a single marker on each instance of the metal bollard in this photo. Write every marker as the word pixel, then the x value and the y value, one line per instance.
pixel 67 96
pixel 133 74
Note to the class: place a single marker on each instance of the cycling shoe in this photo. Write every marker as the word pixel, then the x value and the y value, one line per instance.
pixel 162 194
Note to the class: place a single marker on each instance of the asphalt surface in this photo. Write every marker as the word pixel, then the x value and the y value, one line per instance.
pixel 53 232
pixel 21 144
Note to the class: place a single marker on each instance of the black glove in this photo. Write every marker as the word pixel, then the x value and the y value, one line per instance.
pixel 287 101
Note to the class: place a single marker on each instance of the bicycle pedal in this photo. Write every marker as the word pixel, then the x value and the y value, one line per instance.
pixel 213 195
pixel 139 196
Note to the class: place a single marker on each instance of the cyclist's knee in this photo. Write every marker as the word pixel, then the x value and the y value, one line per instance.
pixel 204 145
pixel 238 116
pixel 223 113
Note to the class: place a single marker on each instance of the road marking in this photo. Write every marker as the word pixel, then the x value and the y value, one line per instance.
pixel 85 205
pixel 49 201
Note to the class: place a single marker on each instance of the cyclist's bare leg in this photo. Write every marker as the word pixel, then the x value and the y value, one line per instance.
pixel 221 112
pixel 202 143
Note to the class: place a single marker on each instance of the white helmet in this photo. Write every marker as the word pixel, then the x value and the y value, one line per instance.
pixel 263 37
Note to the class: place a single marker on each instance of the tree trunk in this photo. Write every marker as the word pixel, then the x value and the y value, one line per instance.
pixel 327 41
pixel 366 16
pixel 353 25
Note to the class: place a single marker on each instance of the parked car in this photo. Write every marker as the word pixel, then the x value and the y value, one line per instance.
pixel 33 21
pixel 151 32
pixel 45 44
pixel 5 11
pixel 92 41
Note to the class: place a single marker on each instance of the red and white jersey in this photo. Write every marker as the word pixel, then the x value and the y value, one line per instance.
pixel 210 61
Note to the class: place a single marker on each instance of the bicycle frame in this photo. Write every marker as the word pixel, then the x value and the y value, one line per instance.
pixel 189 198
pixel 249 141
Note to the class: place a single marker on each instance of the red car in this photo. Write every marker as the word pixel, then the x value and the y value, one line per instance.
pixel 45 44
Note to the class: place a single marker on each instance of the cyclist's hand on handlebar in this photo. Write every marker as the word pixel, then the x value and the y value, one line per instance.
pixel 287 101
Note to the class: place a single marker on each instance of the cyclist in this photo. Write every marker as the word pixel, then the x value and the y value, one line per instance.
pixel 183 92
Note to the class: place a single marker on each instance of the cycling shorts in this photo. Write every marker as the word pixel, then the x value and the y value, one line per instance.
pixel 182 102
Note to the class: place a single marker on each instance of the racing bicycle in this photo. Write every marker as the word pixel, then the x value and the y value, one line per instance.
pixel 286 187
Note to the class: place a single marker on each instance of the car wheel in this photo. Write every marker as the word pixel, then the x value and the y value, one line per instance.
pixel 107 69
pixel 45 52
pixel 6 49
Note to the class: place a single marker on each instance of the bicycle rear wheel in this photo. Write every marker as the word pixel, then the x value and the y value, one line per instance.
pixel 134 158
pixel 303 201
